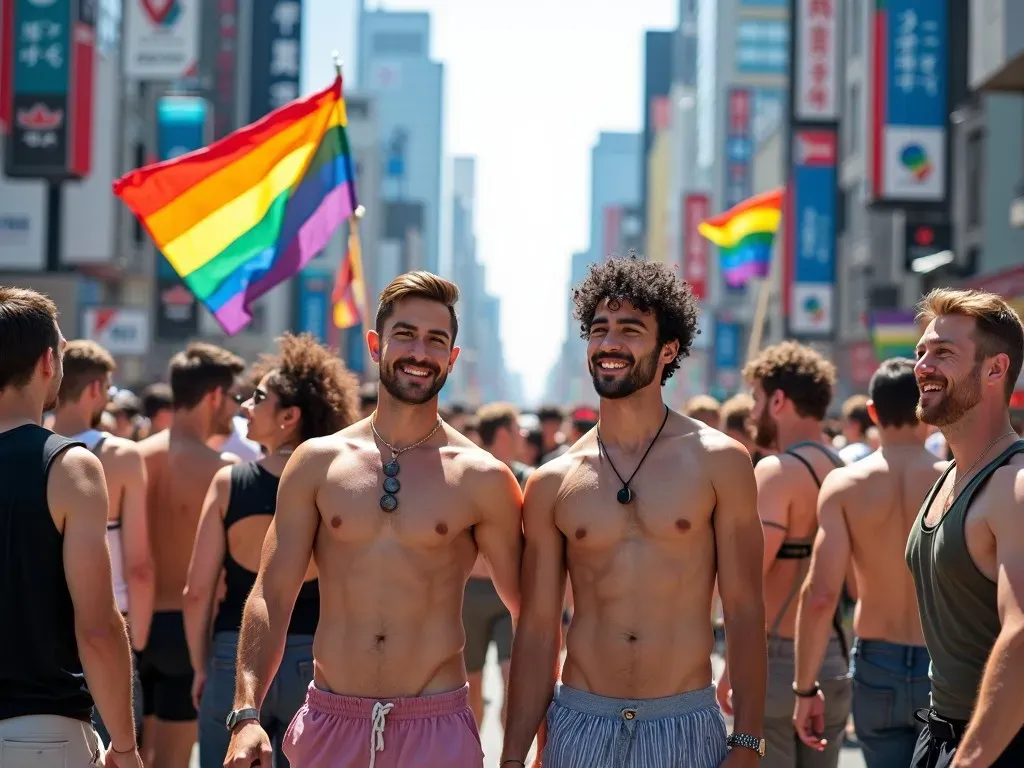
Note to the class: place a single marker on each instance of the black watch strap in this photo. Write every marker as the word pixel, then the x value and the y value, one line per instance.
pixel 240 715
pixel 746 741
pixel 809 693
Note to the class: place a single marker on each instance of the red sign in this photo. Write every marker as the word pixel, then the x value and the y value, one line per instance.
pixel 661 115
pixel 739 112
pixel 695 248
pixel 6 64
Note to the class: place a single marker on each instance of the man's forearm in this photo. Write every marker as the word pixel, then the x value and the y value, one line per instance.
pixel 197 628
pixel 531 684
pixel 107 662
pixel 814 627
pixel 999 713
pixel 260 649
pixel 747 654
pixel 141 597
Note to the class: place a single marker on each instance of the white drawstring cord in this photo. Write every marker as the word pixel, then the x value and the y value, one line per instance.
pixel 379 715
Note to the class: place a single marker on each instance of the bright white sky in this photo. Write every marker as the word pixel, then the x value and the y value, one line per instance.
pixel 528 86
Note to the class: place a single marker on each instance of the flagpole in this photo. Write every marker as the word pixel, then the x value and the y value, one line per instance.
pixel 764 295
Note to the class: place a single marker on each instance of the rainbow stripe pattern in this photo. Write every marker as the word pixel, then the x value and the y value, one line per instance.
pixel 894 333
pixel 744 235
pixel 246 213
pixel 349 295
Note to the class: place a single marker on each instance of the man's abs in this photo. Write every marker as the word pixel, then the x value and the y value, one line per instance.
pixel 391 655
pixel 658 655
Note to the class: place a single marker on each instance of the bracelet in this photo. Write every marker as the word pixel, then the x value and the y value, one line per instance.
pixel 810 693
pixel 124 751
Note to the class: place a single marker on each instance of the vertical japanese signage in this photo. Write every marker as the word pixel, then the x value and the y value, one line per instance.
pixel 739 147
pixel 816 92
pixel 51 89
pixel 313 303
pixel 277 33
pixel 182 125
pixel 161 39
pixel 225 67
pixel 909 114
pixel 811 209
pixel 696 209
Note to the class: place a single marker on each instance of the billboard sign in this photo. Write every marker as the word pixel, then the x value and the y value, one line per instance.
pixel 51 89
pixel 696 249
pixel 161 39
pixel 276 29
pixel 183 125
pixel 739 147
pixel 816 95
pixel 910 108
pixel 313 303
pixel 120 330
pixel 811 241
pixel 762 46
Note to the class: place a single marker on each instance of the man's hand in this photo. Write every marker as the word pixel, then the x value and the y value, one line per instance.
pixel 809 720
pixel 249 746
pixel 198 686
pixel 122 759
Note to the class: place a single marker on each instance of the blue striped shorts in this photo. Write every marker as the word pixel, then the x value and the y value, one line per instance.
pixel 590 731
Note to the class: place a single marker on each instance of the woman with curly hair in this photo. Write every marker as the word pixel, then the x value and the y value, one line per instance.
pixel 304 392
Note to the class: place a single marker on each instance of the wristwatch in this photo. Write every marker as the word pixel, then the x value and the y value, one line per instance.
pixel 238 715
pixel 746 741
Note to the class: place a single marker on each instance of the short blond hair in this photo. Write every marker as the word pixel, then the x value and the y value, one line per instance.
pixel 702 404
pixel 85 362
pixel 998 329
pixel 418 285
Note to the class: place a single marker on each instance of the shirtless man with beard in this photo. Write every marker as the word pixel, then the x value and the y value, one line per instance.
pixel 865 511
pixel 179 468
pixel 394 510
pixel 642 512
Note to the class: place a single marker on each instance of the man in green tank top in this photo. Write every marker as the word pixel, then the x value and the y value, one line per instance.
pixel 966 548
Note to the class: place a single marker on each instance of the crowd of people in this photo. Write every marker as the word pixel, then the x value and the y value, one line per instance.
pixel 284 567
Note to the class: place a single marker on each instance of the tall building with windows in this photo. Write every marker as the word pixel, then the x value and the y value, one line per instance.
pixel 407 86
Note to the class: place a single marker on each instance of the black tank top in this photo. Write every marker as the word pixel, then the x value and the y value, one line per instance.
pixel 254 492
pixel 40 671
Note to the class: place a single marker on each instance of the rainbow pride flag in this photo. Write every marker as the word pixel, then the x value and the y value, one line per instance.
pixel 246 213
pixel 894 333
pixel 744 235
pixel 349 295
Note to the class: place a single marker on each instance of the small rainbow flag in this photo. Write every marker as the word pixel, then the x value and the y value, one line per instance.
pixel 744 235
pixel 894 333
pixel 248 212
pixel 349 296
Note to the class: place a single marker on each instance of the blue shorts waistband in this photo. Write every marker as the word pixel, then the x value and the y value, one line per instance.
pixel 640 709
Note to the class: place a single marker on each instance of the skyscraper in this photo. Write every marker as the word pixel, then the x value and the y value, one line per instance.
pixel 407 87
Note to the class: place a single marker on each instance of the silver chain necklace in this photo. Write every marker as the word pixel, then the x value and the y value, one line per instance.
pixel 952 491
pixel 389 502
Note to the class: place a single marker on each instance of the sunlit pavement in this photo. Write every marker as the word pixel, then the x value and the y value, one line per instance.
pixel 491 731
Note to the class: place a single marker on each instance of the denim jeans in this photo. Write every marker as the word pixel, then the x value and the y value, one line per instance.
pixel 97 721
pixel 890 682
pixel 284 698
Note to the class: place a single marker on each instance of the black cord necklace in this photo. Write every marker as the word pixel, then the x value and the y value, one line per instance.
pixel 625 494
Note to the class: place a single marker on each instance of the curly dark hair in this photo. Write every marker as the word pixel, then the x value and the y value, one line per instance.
pixel 648 286
pixel 800 373
pixel 308 376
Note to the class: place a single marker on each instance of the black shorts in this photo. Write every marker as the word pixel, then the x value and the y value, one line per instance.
pixel 165 670
pixel 940 739
pixel 485 618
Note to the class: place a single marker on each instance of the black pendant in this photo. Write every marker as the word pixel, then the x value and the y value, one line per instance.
pixel 388 503
pixel 624 496
pixel 391 484
pixel 391 468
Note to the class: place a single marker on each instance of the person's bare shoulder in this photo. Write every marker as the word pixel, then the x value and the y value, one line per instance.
pixel 1005 496
pixel 155 444
pixel 721 456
